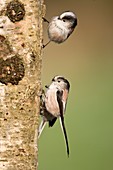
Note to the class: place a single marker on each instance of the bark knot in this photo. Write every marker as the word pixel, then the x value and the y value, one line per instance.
pixel 15 11
pixel 11 70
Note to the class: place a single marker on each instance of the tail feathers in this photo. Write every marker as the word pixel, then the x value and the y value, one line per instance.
pixel 65 134
pixel 41 127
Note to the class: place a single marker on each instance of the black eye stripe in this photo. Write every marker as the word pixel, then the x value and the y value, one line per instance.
pixel 65 81
pixel 62 78
pixel 68 17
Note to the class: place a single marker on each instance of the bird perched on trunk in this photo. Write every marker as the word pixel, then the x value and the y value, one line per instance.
pixel 61 27
pixel 53 104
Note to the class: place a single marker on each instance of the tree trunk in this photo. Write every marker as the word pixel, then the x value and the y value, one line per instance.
pixel 20 82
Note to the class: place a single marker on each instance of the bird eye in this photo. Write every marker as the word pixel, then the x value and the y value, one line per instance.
pixel 64 20
pixel 58 81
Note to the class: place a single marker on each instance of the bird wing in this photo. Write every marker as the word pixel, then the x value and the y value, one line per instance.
pixel 51 122
pixel 59 99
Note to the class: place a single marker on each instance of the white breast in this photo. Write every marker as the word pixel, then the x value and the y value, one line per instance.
pixel 57 32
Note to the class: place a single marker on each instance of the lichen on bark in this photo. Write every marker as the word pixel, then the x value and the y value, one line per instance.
pixel 20 83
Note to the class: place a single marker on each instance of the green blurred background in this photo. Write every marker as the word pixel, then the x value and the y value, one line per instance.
pixel 86 60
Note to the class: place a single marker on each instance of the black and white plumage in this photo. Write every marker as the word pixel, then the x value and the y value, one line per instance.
pixel 54 104
pixel 61 27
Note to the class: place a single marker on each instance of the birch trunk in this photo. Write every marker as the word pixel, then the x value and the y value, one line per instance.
pixel 20 82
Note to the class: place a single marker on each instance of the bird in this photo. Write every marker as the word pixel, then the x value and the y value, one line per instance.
pixel 61 27
pixel 53 105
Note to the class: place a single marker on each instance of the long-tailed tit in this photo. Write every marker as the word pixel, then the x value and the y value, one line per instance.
pixel 54 104
pixel 60 27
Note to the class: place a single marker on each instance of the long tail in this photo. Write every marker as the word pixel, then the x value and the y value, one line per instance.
pixel 41 127
pixel 65 134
